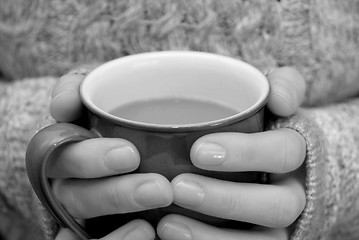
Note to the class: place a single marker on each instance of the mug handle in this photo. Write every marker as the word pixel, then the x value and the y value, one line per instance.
pixel 38 152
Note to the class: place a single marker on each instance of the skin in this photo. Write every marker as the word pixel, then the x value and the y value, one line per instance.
pixel 274 207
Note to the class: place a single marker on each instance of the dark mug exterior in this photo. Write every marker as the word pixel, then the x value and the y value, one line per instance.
pixel 163 149
pixel 168 153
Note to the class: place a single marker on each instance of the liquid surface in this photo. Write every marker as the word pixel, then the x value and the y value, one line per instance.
pixel 173 111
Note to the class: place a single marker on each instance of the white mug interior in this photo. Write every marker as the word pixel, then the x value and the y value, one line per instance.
pixel 175 74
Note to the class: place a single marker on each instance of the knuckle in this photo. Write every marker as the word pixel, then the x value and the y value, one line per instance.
pixel 79 170
pixel 115 201
pixel 284 162
pixel 230 205
pixel 284 211
pixel 74 207
pixel 70 200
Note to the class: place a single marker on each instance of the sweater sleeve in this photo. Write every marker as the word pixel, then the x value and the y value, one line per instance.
pixel 24 108
pixel 332 210
pixel 332 170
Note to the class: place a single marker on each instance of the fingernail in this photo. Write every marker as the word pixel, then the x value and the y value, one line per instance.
pixel 121 159
pixel 138 233
pixel 60 111
pixel 150 194
pixel 209 154
pixel 62 93
pixel 175 231
pixel 188 192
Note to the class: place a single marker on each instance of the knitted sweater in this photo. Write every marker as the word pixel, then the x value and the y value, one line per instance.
pixel 320 38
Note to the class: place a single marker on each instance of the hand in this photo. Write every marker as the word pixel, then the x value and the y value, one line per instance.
pixel 78 171
pixel 136 229
pixel 273 206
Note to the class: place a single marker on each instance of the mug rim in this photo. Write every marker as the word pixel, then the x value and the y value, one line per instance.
pixel 259 104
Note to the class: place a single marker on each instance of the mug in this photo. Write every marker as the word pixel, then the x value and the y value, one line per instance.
pixel 189 94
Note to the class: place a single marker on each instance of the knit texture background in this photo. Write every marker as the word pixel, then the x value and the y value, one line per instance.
pixel 320 38
pixel 22 113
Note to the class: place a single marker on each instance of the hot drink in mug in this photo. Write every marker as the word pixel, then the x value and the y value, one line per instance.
pixel 162 102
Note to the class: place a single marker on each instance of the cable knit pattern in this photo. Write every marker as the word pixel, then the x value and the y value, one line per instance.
pixel 78 31
pixel 320 38
pixel 335 46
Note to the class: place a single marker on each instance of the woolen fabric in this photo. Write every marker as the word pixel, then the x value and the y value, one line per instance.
pixel 41 40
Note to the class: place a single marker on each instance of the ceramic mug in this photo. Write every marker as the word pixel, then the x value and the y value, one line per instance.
pixel 164 147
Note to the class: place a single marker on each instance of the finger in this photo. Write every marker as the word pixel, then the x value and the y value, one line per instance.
pixel 173 227
pixel 121 194
pixel 134 230
pixel 275 206
pixel 66 234
pixel 66 104
pixel 93 158
pixel 277 151
pixel 287 91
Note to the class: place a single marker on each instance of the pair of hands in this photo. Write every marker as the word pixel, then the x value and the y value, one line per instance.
pixel 78 170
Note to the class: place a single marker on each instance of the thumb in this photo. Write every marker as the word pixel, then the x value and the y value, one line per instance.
pixel 287 91
pixel 66 104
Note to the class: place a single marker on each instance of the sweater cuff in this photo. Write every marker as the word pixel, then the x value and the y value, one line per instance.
pixel 332 170
pixel 321 183
pixel 22 105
